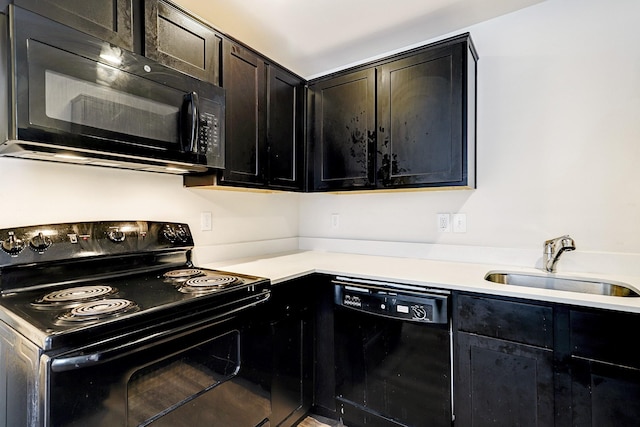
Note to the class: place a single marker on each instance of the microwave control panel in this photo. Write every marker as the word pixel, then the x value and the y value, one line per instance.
pixel 210 134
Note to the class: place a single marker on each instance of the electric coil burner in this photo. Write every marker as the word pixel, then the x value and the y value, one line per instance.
pixel 110 323
pixel 210 283
pixel 192 280
pixel 182 274
pixel 97 310
pixel 70 297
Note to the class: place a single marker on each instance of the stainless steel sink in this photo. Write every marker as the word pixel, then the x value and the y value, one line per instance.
pixel 560 283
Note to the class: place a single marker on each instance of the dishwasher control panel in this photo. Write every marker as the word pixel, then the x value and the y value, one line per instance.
pixel 385 300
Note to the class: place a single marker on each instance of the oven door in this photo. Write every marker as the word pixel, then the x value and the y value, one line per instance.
pixel 214 375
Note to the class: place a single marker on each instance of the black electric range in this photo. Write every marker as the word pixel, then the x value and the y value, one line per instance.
pixel 64 284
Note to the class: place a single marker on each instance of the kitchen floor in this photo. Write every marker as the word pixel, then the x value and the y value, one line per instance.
pixel 318 421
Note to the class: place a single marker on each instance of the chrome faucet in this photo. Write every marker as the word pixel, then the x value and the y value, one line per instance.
pixel 553 248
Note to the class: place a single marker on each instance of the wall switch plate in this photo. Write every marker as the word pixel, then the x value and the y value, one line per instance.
pixel 335 221
pixel 444 222
pixel 459 223
pixel 206 221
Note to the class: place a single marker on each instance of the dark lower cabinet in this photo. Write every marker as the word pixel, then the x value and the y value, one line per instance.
pixel 605 368
pixel 604 395
pixel 521 363
pixel 292 359
pixel 504 364
pixel 503 383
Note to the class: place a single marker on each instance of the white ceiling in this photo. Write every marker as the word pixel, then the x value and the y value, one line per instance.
pixel 312 37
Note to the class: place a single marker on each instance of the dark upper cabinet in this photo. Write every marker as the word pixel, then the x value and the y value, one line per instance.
pixel 178 40
pixel 423 134
pixel 264 139
pixel 342 131
pixel 244 80
pixel 110 20
pixel 160 31
pixel 420 119
pixel 285 130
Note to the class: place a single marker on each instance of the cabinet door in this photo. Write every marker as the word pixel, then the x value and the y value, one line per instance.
pixel 420 119
pixel 604 394
pixel 291 388
pixel 605 368
pixel 244 78
pixel 293 337
pixel 178 40
pixel 343 135
pixel 109 20
pixel 285 138
pixel 503 383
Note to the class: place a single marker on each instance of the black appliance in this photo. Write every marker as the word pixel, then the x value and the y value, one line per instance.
pixel 69 97
pixel 392 354
pixel 110 324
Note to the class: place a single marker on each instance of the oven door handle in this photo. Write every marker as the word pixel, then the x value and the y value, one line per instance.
pixel 69 363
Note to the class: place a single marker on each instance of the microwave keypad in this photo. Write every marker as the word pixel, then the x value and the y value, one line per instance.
pixel 209 133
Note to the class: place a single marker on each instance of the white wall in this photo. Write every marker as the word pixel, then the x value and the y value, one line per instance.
pixel 33 192
pixel 558 140
pixel 558 147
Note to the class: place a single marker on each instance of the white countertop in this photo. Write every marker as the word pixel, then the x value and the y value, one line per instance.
pixel 440 274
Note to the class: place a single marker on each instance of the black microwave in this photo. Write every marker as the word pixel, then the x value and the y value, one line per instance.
pixel 73 98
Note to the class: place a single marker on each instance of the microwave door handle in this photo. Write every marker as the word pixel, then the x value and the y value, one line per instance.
pixel 189 122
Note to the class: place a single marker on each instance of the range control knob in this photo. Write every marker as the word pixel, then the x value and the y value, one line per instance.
pixel 182 234
pixel 169 233
pixel 419 312
pixel 40 243
pixel 12 245
pixel 116 236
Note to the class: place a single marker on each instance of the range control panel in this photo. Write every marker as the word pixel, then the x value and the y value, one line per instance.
pixel 55 242
pixel 398 303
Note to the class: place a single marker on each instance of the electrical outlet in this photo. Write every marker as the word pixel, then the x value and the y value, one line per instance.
pixel 459 223
pixel 444 222
pixel 205 221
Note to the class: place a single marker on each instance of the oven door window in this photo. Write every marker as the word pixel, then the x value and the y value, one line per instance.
pixel 71 94
pixel 157 389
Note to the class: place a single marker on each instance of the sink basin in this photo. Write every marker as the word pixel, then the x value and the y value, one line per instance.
pixel 560 283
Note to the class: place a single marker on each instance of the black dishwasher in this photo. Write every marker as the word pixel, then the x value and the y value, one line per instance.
pixel 392 354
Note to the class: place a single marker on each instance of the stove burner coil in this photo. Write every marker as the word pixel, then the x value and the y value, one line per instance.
pixel 209 283
pixel 182 274
pixel 72 296
pixel 97 310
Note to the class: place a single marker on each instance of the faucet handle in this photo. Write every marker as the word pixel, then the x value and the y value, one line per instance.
pixel 565 240
pixel 566 243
